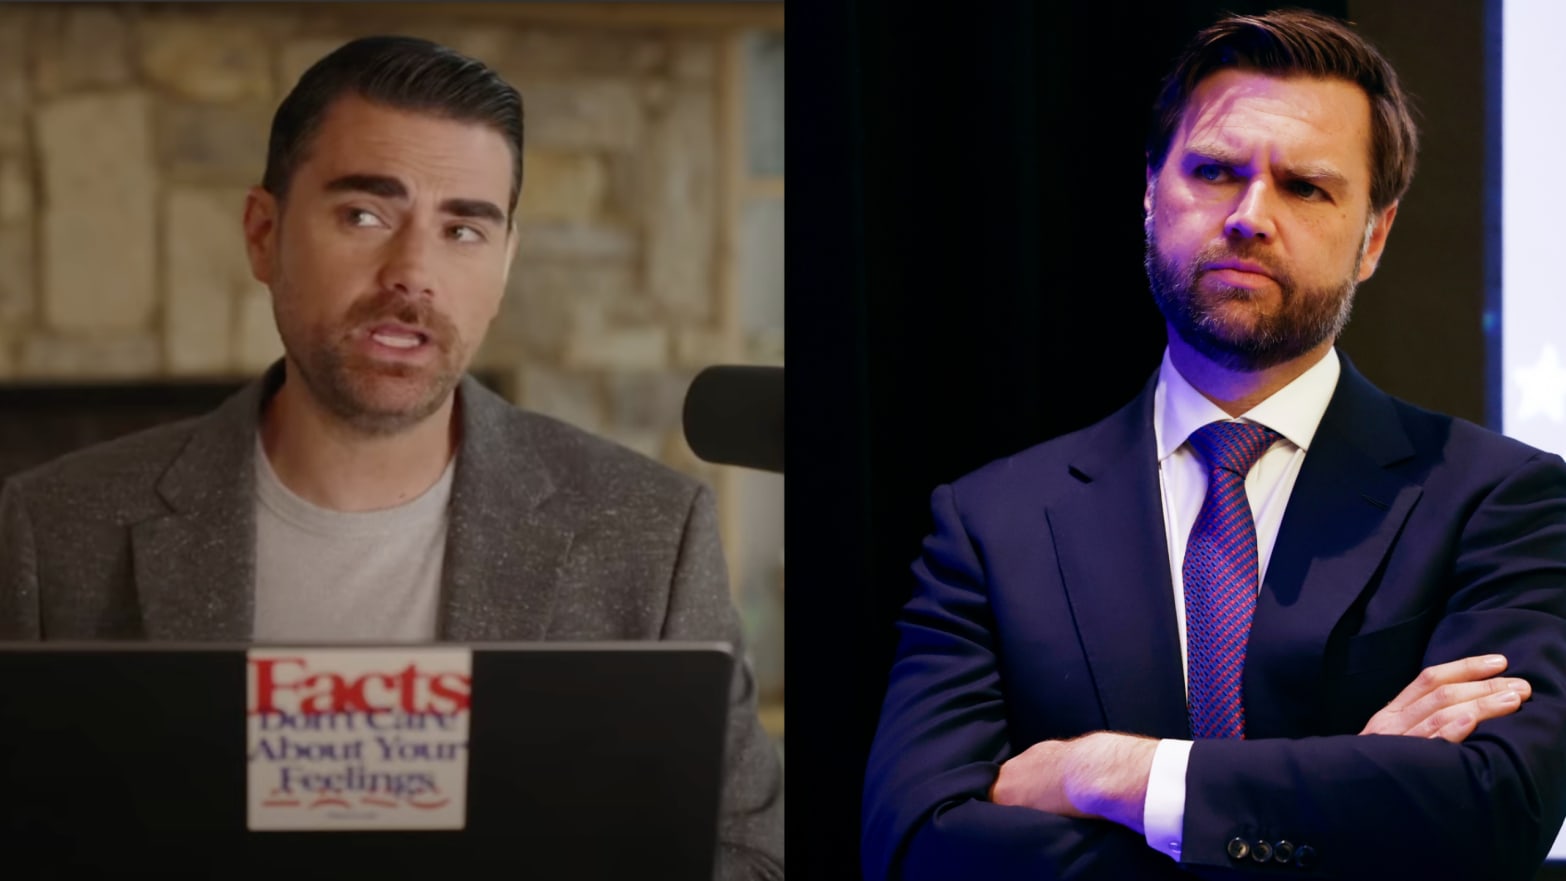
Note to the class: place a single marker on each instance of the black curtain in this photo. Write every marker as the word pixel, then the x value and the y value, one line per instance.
pixel 964 280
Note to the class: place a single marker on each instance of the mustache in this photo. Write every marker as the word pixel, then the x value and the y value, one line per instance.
pixel 1245 250
pixel 414 311
pixel 1248 252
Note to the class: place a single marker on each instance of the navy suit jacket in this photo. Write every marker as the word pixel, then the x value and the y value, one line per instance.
pixel 1043 609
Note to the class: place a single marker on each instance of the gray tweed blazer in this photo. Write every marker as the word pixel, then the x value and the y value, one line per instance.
pixel 553 534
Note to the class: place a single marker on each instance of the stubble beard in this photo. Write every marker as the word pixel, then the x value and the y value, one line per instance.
pixel 372 397
pixel 1305 318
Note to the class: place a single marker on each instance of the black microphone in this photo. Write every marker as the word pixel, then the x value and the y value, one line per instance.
pixel 734 416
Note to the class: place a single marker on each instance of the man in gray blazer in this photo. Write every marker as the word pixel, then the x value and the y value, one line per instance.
pixel 366 488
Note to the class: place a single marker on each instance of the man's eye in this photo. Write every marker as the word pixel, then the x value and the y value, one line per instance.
pixel 465 233
pixel 361 217
pixel 1209 173
pixel 1306 190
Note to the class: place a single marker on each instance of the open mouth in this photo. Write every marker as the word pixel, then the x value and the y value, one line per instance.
pixel 398 338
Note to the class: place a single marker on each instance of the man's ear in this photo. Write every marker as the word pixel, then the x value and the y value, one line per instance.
pixel 1376 241
pixel 261 221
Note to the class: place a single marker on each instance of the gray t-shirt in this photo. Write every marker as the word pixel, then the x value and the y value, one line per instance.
pixel 333 576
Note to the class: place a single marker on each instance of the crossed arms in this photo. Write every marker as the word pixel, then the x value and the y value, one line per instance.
pixel 1104 775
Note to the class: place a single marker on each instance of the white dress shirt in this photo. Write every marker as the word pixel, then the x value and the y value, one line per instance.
pixel 1294 412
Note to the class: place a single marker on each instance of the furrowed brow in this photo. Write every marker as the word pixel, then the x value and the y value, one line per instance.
pixel 380 185
pixel 477 209
pixel 1320 175
pixel 1213 153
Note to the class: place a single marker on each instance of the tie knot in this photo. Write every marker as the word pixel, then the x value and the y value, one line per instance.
pixel 1232 446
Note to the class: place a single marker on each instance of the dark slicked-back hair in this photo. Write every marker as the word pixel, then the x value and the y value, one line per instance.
pixel 1288 43
pixel 405 73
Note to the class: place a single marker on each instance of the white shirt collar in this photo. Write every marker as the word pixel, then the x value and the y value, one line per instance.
pixel 1293 411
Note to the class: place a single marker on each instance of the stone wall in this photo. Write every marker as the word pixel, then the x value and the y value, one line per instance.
pixel 129 132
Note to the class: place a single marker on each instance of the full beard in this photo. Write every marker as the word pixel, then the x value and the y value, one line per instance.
pixel 372 397
pixel 1305 318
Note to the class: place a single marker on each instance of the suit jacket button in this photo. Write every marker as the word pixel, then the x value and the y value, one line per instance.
pixel 1304 856
pixel 1283 851
pixel 1238 849
pixel 1261 851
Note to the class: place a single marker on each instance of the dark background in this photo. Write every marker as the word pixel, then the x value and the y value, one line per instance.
pixel 965 280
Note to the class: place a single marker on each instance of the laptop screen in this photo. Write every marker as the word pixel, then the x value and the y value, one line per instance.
pixel 569 760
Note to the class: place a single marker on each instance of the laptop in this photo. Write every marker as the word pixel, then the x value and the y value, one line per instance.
pixel 583 760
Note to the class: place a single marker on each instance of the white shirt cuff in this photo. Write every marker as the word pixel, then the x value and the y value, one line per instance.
pixel 1163 811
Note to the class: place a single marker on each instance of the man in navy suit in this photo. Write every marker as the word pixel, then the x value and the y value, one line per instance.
pixel 1265 619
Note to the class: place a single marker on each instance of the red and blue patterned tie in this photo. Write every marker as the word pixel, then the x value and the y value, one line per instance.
pixel 1220 573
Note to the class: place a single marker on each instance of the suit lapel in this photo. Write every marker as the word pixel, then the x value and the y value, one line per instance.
pixel 505 545
pixel 1343 515
pixel 1114 562
pixel 195 565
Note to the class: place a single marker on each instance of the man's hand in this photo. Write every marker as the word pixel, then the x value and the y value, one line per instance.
pixel 1102 775
pixel 1449 700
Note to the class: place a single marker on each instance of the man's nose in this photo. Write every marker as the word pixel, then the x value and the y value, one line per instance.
pixel 1252 217
pixel 409 264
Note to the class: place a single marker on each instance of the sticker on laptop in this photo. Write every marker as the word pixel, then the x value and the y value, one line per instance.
pixel 358 738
